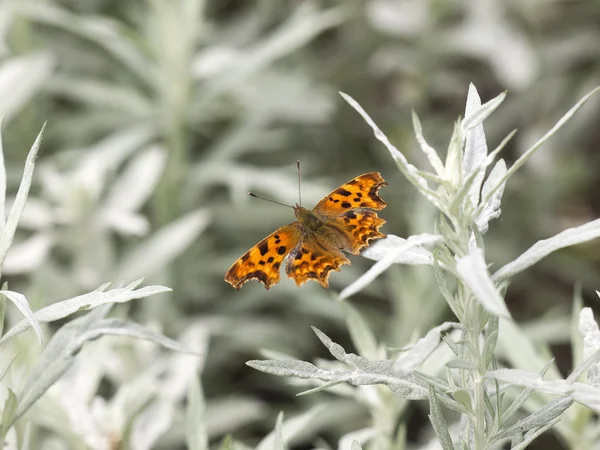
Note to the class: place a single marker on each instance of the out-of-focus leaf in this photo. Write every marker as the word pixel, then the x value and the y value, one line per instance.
pixel 91 300
pixel 291 429
pixel 22 304
pixel 164 245
pixel 8 231
pixel 56 358
pixel 195 417
pixel 137 182
pixel 28 255
pixel 2 180
pixel 543 248
pixel 20 79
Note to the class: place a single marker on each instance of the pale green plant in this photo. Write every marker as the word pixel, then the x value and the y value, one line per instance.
pixel 30 380
pixel 473 386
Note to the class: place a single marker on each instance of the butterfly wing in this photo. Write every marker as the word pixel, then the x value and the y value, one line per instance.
pixel 360 192
pixel 262 262
pixel 357 227
pixel 310 260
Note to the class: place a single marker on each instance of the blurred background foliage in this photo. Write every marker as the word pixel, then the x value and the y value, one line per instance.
pixel 163 114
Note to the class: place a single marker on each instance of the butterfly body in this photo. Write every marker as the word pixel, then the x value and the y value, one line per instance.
pixel 342 221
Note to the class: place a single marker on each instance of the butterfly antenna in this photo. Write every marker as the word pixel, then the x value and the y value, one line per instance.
pixel 299 192
pixel 251 194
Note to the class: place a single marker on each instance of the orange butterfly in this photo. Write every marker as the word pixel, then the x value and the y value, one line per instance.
pixel 341 221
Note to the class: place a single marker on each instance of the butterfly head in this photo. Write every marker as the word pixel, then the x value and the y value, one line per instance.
pixel 307 218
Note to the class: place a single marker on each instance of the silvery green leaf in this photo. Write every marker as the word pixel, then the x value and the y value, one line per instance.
pixel 439 423
pixel 118 327
pixel 475 151
pixel 4 369
pixel 390 244
pixel 519 350
pixel 408 361
pixel 365 372
pixel 531 435
pixel 8 231
pixel 355 445
pixel 290 429
pixel 61 351
pixel 2 180
pixel 591 362
pixel 150 424
pixel 279 443
pixel 525 156
pixel 164 245
pixel 196 437
pixel 429 151
pixel 442 385
pixel 540 418
pixel 323 387
pixel 60 310
pixel 468 182
pixel 492 209
pixel 387 261
pixel 461 364
pixel 360 333
pixel 515 440
pixel 20 79
pixel 543 248
pixel 462 396
pixel 28 255
pixel 57 357
pixel 529 379
pixel 136 183
pixel 9 410
pixel 591 344
pixel 586 395
pixel 473 271
pixel 22 304
pixel 575 336
pixel 409 171
pixel 476 113
pixel 380 372
pixel 489 347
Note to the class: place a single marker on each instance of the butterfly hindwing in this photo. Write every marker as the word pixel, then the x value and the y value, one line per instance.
pixel 310 260
pixel 262 262
pixel 360 192
pixel 358 226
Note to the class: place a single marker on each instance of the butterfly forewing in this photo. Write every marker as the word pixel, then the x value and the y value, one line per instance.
pixel 360 192
pixel 262 262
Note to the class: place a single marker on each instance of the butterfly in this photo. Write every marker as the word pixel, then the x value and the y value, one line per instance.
pixel 342 221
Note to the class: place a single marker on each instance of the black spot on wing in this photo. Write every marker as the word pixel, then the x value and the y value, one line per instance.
pixel 281 250
pixel 263 247
pixel 344 192
pixel 346 205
